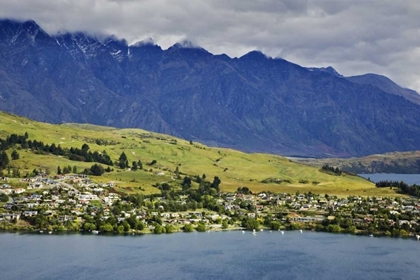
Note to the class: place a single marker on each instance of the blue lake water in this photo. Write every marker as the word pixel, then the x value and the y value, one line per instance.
pixel 408 178
pixel 221 255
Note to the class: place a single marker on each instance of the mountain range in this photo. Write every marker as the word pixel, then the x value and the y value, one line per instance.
pixel 252 103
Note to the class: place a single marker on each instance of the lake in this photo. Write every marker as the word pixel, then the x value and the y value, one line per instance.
pixel 214 255
pixel 408 178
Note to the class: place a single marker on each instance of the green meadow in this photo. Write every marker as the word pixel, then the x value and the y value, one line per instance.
pixel 234 168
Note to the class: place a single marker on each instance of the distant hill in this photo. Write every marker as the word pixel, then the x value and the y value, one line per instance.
pixel 397 162
pixel 252 103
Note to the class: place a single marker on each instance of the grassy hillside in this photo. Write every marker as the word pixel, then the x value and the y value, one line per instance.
pixel 234 168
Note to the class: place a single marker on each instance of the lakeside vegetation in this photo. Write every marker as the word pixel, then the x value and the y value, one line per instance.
pixel 74 203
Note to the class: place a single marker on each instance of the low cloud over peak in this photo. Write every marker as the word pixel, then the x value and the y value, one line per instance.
pixel 355 37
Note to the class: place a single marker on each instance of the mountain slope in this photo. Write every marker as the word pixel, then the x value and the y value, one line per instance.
pixel 385 84
pixel 252 103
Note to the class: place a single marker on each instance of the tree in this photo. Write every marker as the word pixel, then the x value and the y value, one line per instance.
pixel 140 226
pixel 89 226
pixel 15 155
pixel 252 224
pixel 97 170
pixel 58 170
pixel 188 228
pixel 4 197
pixel 169 228
pixel 140 165
pixel 75 169
pixel 120 229
pixel 177 173
pixel 16 172
pixel 4 160
pixel 132 221
pixel 85 148
pixel 201 227
pixel 159 229
pixel 275 225
pixel 216 183
pixel 333 228
pixel 186 184
pixel 134 166
pixel 123 161
pixel 225 224
pixel 107 227
pixel 65 170
pixel 126 226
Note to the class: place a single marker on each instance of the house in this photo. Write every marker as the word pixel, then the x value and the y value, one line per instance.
pixel 6 191
pixel 251 215
pixel 10 217
pixel 29 213
pixel 65 218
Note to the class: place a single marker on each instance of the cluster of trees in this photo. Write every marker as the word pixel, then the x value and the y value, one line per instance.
pixel 6 144
pixel 95 170
pixel 137 165
pixel 402 187
pixel 83 154
pixel 380 225
pixel 76 154
pixel 205 187
pixel 4 159
pixel 12 140
pixel 64 170
pixel 328 168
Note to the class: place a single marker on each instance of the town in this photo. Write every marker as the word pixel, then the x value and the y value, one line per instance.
pixel 74 203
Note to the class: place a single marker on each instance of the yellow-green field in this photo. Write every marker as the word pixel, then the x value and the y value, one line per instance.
pixel 234 168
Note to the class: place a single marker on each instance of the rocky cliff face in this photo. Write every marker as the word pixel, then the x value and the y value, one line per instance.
pixel 252 103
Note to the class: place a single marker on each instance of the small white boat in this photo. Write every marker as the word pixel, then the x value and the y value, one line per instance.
pixel 282 232
pixel 50 232
pixel 41 231
pixel 95 231
pixel 261 230
pixel 254 233
pixel 243 231
pixel 418 237
pixel 370 235
pixel 301 231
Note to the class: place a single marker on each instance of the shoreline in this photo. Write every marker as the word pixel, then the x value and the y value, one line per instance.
pixel 143 233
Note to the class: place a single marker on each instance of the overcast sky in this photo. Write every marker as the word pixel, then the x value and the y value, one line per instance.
pixel 355 36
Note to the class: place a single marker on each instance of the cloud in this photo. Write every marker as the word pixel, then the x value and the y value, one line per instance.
pixel 355 36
